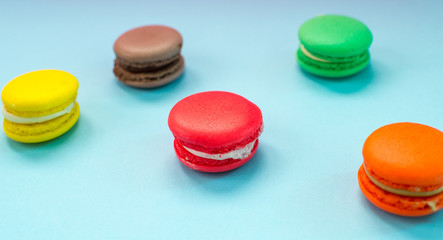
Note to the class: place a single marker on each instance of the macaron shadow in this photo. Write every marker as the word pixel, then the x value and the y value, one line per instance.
pixel 38 152
pixel 229 181
pixel 345 85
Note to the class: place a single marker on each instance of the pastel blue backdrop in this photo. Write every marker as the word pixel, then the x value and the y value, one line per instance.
pixel 115 174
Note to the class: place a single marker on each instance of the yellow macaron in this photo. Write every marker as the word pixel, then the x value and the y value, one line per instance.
pixel 39 106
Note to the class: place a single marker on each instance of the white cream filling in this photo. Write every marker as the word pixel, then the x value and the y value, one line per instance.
pixel 30 120
pixel 309 55
pixel 433 205
pixel 235 154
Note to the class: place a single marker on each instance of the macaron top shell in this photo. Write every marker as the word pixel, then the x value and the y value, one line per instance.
pixel 39 90
pixel 406 153
pixel 148 43
pixel 215 119
pixel 335 36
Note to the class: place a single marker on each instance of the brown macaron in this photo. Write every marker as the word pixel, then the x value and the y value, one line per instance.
pixel 148 56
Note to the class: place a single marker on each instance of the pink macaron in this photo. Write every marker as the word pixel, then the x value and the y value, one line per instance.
pixel 215 131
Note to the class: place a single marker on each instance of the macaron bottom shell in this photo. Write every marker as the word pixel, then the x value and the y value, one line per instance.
pixel 209 165
pixel 44 131
pixel 150 79
pixel 396 204
pixel 332 69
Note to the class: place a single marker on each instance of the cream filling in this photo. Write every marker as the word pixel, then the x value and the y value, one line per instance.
pixel 433 205
pixel 30 120
pixel 235 154
pixel 309 55
pixel 403 192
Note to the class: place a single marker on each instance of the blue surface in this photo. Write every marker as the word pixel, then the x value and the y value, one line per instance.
pixel 115 175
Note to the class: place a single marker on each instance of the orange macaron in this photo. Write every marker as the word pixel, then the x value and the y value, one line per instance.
pixel 402 170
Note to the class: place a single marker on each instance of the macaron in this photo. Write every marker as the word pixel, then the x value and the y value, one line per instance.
pixel 215 131
pixel 333 46
pixel 402 170
pixel 40 105
pixel 148 56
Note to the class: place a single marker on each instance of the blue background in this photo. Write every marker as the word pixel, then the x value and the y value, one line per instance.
pixel 115 174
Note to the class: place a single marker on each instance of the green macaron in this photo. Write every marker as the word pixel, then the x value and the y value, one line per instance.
pixel 333 46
